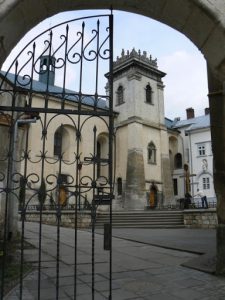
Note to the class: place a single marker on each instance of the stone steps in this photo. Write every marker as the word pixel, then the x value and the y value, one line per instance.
pixel 146 219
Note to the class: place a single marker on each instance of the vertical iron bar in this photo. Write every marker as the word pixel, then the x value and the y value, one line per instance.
pixel 97 63
pixel 78 135
pixel 44 134
pixel 93 216
pixel 58 217
pixel 111 129
pixel 58 249
pixel 23 212
pixel 65 67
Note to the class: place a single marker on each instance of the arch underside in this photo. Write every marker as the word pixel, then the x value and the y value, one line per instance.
pixel 200 21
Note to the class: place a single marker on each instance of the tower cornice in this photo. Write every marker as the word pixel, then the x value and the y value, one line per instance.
pixel 138 60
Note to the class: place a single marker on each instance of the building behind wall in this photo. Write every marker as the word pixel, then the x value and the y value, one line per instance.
pixel 194 150
pixel 150 150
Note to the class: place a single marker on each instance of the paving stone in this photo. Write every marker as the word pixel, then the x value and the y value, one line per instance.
pixel 140 271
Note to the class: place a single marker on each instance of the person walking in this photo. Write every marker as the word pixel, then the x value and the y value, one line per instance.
pixel 203 197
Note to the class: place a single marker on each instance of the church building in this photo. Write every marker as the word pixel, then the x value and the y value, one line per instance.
pixel 149 154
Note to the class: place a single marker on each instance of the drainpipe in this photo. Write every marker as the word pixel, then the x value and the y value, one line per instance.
pixel 191 164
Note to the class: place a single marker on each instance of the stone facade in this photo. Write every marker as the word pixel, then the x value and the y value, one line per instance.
pixel 200 218
pixel 67 218
pixel 140 124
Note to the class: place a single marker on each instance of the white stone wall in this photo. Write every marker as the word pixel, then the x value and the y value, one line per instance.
pixel 196 138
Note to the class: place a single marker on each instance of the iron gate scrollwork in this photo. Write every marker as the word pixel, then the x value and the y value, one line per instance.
pixel 56 129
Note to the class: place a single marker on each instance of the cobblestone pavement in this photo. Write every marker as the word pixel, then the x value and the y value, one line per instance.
pixel 140 271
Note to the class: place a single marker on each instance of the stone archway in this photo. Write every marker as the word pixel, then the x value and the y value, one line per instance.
pixel 203 22
pixel 200 21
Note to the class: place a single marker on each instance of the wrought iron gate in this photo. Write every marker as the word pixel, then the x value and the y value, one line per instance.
pixel 56 128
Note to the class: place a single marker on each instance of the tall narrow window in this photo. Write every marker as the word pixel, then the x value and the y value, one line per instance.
pixel 120 96
pixel 148 91
pixel 151 153
pixel 178 161
pixel 175 187
pixel 119 186
pixel 58 142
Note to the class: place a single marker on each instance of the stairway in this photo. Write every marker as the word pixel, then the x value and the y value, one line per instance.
pixel 142 219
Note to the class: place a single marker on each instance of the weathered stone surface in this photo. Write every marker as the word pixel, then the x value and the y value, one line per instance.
pixel 196 218
pixel 135 185
pixel 67 218
pixel 167 180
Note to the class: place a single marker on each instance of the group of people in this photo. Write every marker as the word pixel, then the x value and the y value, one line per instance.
pixel 200 194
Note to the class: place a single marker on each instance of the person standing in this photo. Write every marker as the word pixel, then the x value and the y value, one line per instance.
pixel 203 198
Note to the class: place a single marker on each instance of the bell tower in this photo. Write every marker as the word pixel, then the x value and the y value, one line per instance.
pixel 142 142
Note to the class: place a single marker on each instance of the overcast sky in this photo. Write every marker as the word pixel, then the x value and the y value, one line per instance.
pixel 186 79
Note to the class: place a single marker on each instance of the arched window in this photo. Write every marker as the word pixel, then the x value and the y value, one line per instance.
pixel 151 153
pixel 58 142
pixel 61 142
pixel 120 96
pixel 148 93
pixel 178 161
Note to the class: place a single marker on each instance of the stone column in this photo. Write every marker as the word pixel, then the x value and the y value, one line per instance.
pixel 217 115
